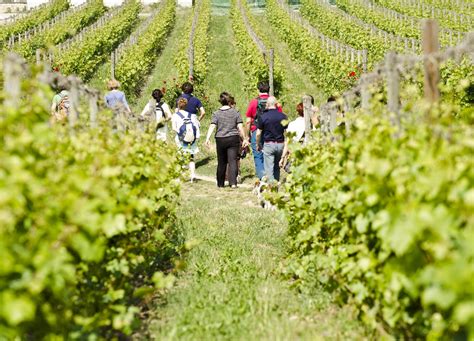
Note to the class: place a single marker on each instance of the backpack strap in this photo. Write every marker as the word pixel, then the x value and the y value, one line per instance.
pixel 180 114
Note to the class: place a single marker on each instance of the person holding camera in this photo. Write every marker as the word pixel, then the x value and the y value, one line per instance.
pixel 228 124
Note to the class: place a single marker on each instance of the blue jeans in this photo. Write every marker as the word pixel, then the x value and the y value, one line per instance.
pixel 257 156
pixel 272 153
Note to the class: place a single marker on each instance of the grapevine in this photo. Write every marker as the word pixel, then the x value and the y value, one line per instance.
pixel 251 60
pixel 347 31
pixel 83 57
pixel 200 43
pixel 62 31
pixel 35 18
pixel 325 69
pixel 406 26
pixel 416 11
pixel 77 268
pixel 139 58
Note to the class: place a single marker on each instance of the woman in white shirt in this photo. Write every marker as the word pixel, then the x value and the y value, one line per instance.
pixel 158 112
pixel 187 128
pixel 297 126
pixel 297 129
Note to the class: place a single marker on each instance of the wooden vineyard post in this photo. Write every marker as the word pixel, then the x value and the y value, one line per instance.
pixel 12 80
pixel 270 71
pixel 308 112
pixel 112 65
pixel 74 99
pixel 393 86
pixel 38 56
pixel 364 60
pixel 347 110
pixel 365 93
pixel 332 116
pixel 93 108
pixel 431 69
pixel 191 62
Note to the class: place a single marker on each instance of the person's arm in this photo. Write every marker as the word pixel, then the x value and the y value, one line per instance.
pixel 167 111
pixel 212 126
pixel 259 136
pixel 243 136
pixel 285 152
pixel 145 110
pixel 248 124
pixel 203 112
pixel 125 103
pixel 315 117
pixel 54 107
pixel 174 122
pixel 250 113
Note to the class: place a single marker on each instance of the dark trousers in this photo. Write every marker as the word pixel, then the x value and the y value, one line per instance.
pixel 227 154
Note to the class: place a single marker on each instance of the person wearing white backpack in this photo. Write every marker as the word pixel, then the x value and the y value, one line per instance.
pixel 157 112
pixel 186 126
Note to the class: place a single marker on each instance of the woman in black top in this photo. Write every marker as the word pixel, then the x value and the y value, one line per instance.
pixel 230 129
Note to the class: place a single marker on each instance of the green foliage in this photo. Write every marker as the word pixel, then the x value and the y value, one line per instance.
pixel 444 20
pixel 373 16
pixel 326 70
pixel 83 57
pixel 387 222
pixel 457 84
pixel 333 25
pixel 86 223
pixel 35 18
pixel 62 30
pixel 251 60
pixel 460 7
pixel 139 58
pixel 400 27
pixel 200 42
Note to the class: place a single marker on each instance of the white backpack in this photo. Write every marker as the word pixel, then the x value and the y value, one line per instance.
pixel 187 131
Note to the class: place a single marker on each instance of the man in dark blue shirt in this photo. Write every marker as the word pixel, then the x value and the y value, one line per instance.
pixel 194 105
pixel 272 127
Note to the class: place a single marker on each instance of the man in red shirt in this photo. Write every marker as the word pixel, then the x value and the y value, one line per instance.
pixel 255 109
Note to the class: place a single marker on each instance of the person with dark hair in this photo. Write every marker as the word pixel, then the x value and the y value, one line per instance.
pixel 255 110
pixel 158 112
pixel 194 105
pixel 229 131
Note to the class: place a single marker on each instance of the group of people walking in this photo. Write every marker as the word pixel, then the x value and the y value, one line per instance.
pixel 264 130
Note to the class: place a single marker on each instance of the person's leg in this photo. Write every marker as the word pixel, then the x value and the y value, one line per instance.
pixel 268 158
pixel 232 157
pixel 221 161
pixel 277 153
pixel 192 167
pixel 257 156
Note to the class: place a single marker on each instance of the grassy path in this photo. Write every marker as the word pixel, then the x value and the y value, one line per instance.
pixel 224 74
pixel 232 288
